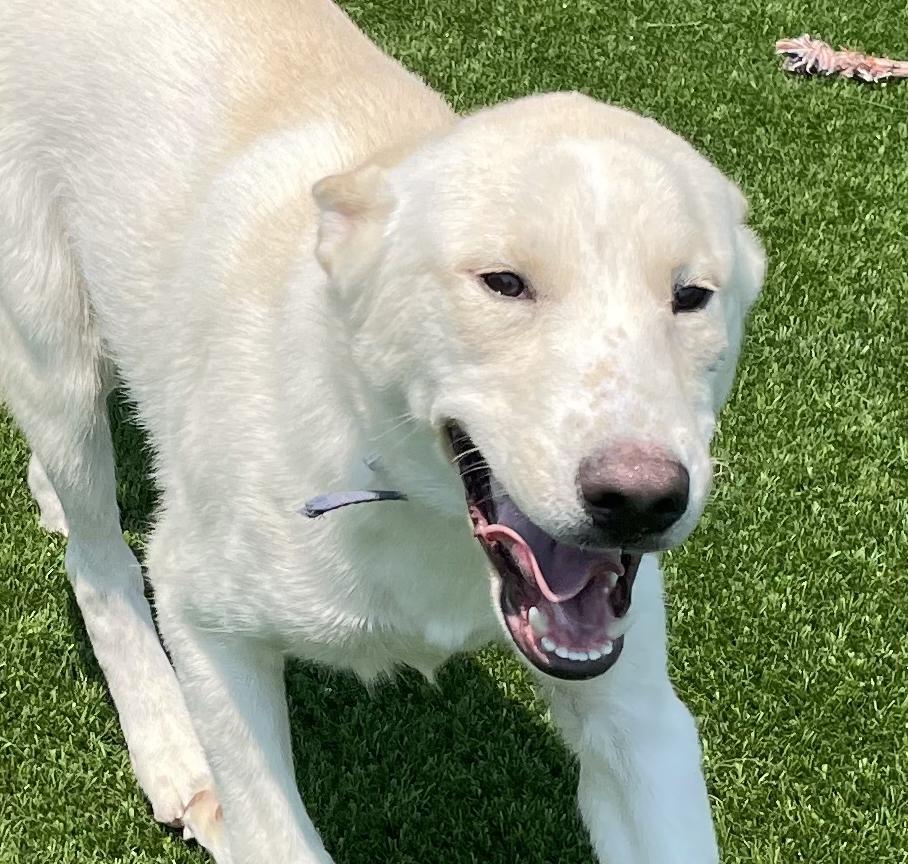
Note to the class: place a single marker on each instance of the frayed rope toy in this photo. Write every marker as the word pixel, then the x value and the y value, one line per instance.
pixel 809 56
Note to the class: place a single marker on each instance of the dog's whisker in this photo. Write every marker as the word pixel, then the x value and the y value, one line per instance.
pixel 466 453
pixel 398 422
pixel 489 499
pixel 403 439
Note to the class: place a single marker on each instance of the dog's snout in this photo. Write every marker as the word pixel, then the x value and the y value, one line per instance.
pixel 632 492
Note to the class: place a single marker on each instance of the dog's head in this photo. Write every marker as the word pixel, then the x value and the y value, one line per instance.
pixel 557 288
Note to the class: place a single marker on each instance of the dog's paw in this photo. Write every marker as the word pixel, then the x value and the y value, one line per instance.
pixel 200 817
pixel 203 821
pixel 170 767
pixel 181 792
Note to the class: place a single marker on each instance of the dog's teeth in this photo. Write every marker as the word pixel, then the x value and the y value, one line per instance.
pixel 594 654
pixel 562 652
pixel 606 649
pixel 548 644
pixel 618 627
pixel 582 656
pixel 611 579
pixel 538 622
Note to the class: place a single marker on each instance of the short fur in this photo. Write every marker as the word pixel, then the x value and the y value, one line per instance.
pixel 157 222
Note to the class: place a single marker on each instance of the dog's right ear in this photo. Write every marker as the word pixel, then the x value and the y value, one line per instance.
pixel 353 207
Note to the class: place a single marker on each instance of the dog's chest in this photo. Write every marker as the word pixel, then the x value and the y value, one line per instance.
pixel 419 595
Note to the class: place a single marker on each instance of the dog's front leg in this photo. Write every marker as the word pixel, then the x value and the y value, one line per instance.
pixel 642 793
pixel 234 689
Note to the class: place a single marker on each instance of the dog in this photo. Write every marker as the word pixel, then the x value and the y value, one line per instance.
pixel 314 278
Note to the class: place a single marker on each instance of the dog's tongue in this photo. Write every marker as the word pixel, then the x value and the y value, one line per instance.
pixel 558 570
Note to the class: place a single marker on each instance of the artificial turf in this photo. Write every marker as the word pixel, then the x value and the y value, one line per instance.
pixel 789 606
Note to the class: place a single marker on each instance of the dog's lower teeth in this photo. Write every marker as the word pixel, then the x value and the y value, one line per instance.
pixel 549 646
pixel 538 622
pixel 577 656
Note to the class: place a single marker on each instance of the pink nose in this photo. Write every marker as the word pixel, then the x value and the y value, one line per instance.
pixel 633 491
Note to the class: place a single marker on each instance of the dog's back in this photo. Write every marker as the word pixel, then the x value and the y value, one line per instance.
pixel 149 110
pixel 163 164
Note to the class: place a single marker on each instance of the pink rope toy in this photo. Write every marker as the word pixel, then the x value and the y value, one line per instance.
pixel 814 57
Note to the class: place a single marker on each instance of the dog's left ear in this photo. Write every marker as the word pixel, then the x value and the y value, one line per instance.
pixel 749 264
pixel 749 269
pixel 353 207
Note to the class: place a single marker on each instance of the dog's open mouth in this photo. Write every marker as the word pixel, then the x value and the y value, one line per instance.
pixel 565 607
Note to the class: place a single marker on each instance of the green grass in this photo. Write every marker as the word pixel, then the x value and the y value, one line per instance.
pixel 789 607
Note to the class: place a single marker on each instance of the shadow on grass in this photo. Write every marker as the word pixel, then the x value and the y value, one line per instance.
pixel 416 773
pixel 411 772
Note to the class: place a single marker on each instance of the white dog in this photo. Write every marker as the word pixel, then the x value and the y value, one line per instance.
pixel 546 298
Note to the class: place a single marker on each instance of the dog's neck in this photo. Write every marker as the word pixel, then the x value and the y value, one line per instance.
pixel 403 453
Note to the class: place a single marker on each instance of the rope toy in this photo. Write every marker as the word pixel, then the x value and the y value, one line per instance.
pixel 809 56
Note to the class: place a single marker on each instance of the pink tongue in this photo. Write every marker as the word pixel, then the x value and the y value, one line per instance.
pixel 525 558
pixel 559 571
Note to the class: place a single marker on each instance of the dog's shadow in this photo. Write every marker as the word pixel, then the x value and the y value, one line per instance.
pixel 416 773
pixel 466 770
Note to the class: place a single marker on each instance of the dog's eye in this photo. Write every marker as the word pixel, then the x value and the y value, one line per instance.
pixel 506 284
pixel 690 298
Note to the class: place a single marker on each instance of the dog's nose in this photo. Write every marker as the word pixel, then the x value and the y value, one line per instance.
pixel 633 491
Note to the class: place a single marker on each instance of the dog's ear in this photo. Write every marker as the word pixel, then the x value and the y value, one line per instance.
pixel 749 263
pixel 749 268
pixel 352 208
pixel 748 271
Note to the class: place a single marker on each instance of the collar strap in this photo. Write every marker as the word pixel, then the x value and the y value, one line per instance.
pixel 321 504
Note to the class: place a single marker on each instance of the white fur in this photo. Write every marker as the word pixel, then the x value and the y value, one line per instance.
pixel 156 162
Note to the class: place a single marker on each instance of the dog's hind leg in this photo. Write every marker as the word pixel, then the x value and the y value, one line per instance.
pixel 54 379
